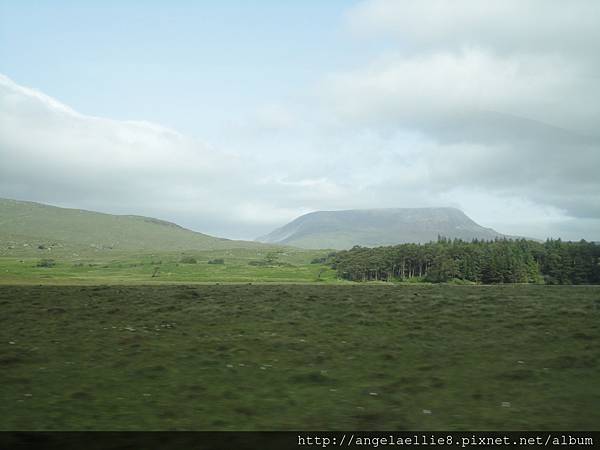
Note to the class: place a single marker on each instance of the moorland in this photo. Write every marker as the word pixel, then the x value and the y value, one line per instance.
pixel 275 357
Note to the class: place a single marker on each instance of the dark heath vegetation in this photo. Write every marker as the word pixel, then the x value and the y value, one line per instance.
pixel 276 357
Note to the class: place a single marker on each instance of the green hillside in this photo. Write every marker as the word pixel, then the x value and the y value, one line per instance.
pixel 25 226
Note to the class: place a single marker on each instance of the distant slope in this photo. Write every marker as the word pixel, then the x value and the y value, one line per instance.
pixel 375 227
pixel 32 224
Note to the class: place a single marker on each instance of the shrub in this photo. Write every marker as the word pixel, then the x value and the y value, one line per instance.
pixel 217 261
pixel 46 263
pixel 188 260
pixel 258 263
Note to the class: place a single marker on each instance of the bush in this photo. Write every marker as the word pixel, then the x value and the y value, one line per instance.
pixel 258 263
pixel 46 263
pixel 217 261
pixel 188 260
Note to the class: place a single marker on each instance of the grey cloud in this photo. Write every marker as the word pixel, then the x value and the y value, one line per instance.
pixel 507 25
pixel 50 153
pixel 503 95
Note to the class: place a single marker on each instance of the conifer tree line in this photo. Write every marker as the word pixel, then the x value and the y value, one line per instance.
pixel 487 262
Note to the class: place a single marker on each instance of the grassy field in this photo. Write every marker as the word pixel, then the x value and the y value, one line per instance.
pixel 275 357
pixel 281 265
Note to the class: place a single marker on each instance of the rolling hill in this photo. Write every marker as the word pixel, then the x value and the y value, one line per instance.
pixel 376 227
pixel 31 225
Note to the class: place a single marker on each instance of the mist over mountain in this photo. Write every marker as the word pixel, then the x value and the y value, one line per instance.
pixel 376 227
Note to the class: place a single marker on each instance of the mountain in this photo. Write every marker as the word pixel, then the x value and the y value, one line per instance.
pixel 376 227
pixel 28 224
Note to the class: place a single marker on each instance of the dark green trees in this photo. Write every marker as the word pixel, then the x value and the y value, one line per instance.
pixel 488 262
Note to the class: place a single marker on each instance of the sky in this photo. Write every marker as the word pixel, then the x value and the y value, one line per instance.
pixel 234 117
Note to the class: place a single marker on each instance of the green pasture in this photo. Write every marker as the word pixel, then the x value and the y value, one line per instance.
pixel 293 356
pixel 238 266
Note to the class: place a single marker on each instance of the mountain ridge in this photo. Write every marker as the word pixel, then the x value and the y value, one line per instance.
pixel 374 227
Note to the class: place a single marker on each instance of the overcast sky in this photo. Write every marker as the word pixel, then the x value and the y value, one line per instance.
pixel 234 117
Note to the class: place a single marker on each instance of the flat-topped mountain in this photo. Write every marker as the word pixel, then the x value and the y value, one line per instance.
pixel 376 227
pixel 35 224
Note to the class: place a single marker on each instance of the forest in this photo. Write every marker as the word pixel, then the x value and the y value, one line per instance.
pixel 485 262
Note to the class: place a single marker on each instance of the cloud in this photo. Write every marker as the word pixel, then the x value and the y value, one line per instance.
pixel 45 138
pixel 537 59
pixel 502 95
pixel 51 153
pixel 508 26
pixel 429 90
